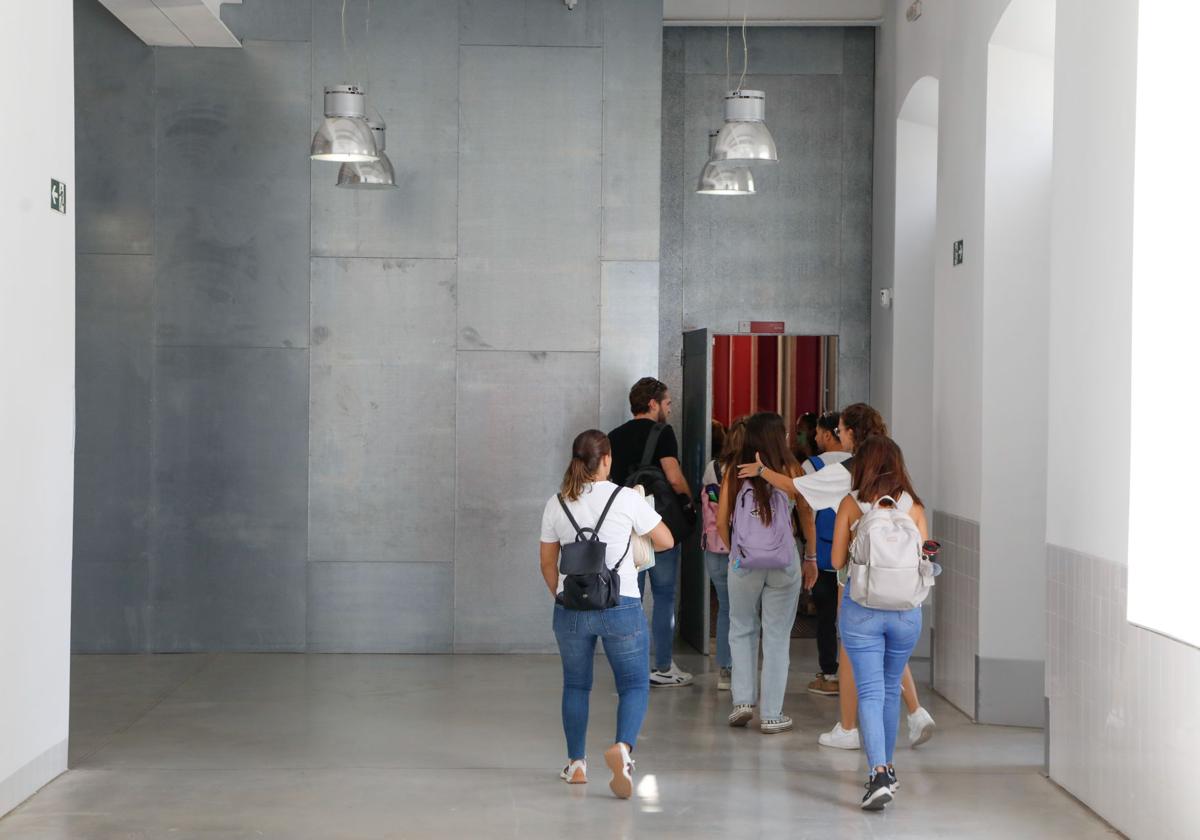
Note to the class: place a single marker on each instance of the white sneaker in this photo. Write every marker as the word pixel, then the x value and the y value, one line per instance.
pixel 920 727
pixel 575 773
pixel 671 677
pixel 840 738
pixel 724 679
pixel 618 760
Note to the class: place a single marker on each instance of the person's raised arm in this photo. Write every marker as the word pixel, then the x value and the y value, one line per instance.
pixel 779 480
pixel 548 556
pixel 848 513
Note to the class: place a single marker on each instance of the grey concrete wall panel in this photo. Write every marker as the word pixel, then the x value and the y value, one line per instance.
pixel 381 607
pixel 530 407
pixel 113 194
pixel 799 250
pixel 532 23
pixel 628 334
pixel 858 51
pixel 858 130
pixel 414 86
pixel 232 233
pixel 772 256
pixel 272 20
pixel 382 410
pixel 632 128
pixel 674 183
pixel 529 212
pixel 774 51
pixel 113 360
pixel 229 550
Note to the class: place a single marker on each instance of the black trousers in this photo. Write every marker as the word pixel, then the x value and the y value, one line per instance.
pixel 825 596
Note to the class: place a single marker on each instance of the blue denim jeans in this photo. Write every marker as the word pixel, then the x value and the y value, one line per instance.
pixel 774 594
pixel 626 644
pixel 718 573
pixel 662 621
pixel 878 643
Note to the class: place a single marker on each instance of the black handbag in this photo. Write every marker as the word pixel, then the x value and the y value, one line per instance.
pixel 589 584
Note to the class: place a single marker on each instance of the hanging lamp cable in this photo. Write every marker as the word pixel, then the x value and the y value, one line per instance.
pixel 367 40
pixel 728 15
pixel 745 48
pixel 345 52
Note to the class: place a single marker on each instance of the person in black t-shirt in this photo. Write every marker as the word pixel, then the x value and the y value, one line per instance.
pixel 650 403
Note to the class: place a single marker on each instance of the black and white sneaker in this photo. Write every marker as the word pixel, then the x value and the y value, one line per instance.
pixel 879 792
pixel 891 771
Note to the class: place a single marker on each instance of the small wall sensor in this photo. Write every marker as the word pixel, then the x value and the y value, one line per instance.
pixel 885 298
pixel 571 4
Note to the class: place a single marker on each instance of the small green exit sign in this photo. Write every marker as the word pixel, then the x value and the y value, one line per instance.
pixel 58 196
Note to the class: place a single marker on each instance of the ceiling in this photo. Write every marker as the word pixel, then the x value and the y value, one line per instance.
pixel 773 12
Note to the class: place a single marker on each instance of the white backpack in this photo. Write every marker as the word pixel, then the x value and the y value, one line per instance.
pixel 888 570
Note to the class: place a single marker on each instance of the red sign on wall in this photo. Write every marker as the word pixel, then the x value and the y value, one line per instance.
pixel 767 327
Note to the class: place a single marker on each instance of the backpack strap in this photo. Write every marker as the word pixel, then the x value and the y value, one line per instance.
pixel 817 462
pixel 651 445
pixel 571 519
pixel 604 513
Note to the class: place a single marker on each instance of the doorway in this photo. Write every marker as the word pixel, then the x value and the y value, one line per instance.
pixel 730 376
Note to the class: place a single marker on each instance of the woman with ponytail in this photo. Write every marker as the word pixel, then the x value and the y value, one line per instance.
pixel 583 497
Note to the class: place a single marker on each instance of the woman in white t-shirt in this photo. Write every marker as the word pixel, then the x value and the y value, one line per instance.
pixel 585 492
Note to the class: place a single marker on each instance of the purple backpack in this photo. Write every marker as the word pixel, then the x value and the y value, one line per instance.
pixel 759 546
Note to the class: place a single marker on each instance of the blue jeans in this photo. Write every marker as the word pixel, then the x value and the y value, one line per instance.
pixel 718 573
pixel 626 644
pixel 662 620
pixel 762 603
pixel 878 643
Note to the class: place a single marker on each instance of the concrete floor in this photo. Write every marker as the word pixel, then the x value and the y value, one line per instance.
pixel 322 746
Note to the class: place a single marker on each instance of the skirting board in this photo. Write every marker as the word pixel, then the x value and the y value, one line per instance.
pixel 1010 692
pixel 31 778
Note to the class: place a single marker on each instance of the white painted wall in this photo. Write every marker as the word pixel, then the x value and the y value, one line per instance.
pixel 37 397
pixel 1020 132
pixel 910 320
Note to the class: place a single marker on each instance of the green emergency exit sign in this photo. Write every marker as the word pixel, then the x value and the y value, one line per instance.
pixel 58 196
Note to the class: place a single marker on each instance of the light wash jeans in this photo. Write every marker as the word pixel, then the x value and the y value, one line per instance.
pixel 778 592
pixel 662 620
pixel 878 643
pixel 718 573
pixel 626 644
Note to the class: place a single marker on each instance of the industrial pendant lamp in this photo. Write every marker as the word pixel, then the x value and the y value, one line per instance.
pixel 344 136
pixel 724 178
pixel 371 174
pixel 745 136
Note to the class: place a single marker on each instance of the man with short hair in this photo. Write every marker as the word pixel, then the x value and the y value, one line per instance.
pixel 650 404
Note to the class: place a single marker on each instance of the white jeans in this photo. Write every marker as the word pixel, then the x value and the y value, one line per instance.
pixel 778 592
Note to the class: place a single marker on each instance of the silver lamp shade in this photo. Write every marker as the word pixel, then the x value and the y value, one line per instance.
pixel 371 174
pixel 745 137
pixel 344 135
pixel 724 178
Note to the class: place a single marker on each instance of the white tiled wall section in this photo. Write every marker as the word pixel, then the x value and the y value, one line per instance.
pixel 956 610
pixel 1124 702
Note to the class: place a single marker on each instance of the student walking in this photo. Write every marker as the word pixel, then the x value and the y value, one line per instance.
pixel 645 451
pixel 825 590
pixel 764 574
pixel 590 516
pixel 716 550
pixel 824 489
pixel 880 618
